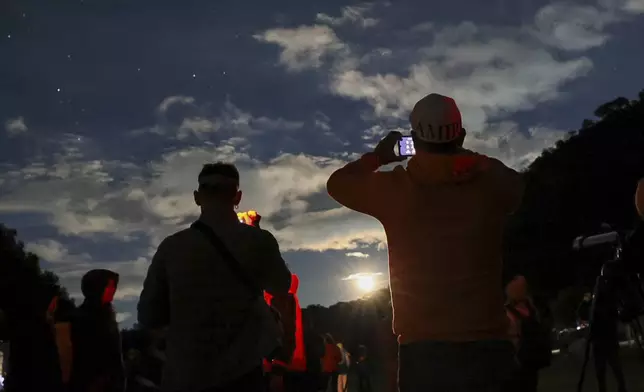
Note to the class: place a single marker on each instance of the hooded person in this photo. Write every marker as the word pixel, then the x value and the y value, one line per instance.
pixel 98 362
pixel 444 216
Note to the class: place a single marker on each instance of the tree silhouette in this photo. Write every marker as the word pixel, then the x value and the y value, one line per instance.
pixel 612 106
pixel 586 180
pixel 24 287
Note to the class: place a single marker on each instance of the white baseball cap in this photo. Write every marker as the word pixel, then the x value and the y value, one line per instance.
pixel 436 119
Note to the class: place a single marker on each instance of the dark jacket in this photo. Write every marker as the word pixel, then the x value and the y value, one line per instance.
pixel 98 361
pixel 190 289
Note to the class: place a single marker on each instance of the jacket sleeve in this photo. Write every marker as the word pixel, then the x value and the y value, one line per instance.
pixel 357 185
pixel 274 275
pixel 154 303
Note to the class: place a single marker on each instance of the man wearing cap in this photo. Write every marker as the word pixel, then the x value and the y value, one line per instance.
pixel 444 217
pixel 192 289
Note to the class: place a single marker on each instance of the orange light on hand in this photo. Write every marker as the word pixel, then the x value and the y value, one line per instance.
pixel 249 217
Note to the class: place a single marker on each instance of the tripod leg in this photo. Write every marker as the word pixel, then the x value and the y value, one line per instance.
pixel 582 375
pixel 600 357
pixel 616 365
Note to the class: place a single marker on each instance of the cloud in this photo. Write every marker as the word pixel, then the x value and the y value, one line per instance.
pixel 630 6
pixel 350 14
pixel 359 255
pixel 517 149
pixel 303 47
pixel 492 72
pixel 83 197
pixel 15 126
pixel 337 228
pixel 362 275
pixel 121 317
pixel 168 102
pixel 185 118
pixel 49 250
pixel 573 27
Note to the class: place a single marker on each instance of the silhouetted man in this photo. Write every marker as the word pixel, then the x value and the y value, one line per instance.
pixel 199 286
pixel 444 216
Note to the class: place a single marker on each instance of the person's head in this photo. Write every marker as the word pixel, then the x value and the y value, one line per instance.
pixel 99 286
pixel 436 125
pixel 517 289
pixel 218 186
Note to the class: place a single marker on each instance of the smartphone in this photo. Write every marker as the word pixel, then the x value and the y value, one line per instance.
pixel 406 147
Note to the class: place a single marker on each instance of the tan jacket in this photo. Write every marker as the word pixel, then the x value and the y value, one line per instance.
pixel 191 290
pixel 444 217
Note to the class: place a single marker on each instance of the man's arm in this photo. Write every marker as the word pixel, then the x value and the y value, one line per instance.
pixel 154 303
pixel 63 334
pixel 356 185
pixel 274 275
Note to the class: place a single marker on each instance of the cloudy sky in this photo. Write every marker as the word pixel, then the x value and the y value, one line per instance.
pixel 108 109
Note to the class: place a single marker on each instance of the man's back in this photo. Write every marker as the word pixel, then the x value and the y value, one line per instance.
pixel 207 302
pixel 444 217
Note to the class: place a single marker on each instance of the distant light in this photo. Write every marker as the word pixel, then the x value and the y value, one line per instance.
pixel 58 89
pixel 69 56
pixel 194 76
pixel 9 36
pixel 138 70
pixel 366 283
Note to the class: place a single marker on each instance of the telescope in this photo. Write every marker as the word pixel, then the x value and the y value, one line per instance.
pixel 583 242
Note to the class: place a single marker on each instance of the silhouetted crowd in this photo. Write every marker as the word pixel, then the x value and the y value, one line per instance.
pixel 219 310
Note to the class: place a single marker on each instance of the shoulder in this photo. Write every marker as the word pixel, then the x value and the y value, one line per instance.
pixel 177 239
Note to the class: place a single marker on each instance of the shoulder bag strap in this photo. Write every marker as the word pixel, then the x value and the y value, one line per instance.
pixel 227 256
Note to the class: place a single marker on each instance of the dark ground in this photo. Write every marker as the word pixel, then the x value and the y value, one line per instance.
pixel 563 375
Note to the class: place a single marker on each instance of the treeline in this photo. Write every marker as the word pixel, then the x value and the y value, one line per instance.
pixel 24 287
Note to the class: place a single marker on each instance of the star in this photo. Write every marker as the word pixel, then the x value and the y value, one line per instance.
pixel 58 89
pixel 223 73
pixel 69 56
pixel 9 36
pixel 138 70
pixel 194 76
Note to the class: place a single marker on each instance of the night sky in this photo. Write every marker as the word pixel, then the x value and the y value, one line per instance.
pixel 108 109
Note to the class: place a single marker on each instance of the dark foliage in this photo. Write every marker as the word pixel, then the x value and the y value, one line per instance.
pixel 572 189
pixel 24 288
